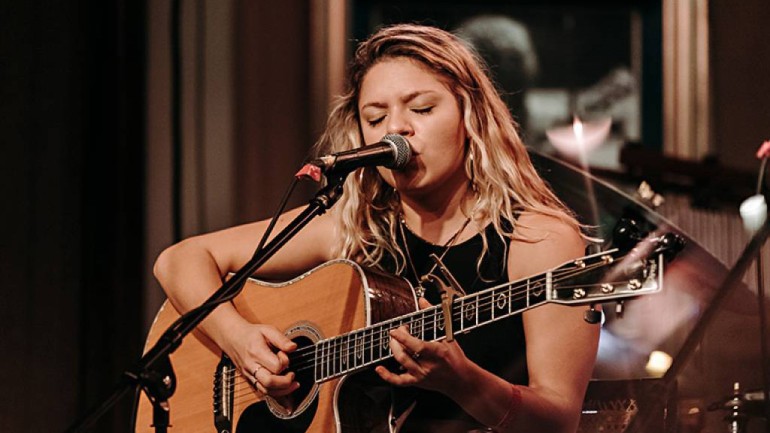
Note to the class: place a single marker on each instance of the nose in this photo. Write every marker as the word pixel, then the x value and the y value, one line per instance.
pixel 398 123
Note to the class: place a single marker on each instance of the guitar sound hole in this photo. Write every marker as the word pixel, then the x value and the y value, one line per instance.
pixel 301 363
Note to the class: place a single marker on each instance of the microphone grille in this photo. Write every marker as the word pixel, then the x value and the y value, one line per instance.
pixel 403 151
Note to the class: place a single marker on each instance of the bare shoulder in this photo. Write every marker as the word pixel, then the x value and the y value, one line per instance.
pixel 542 242
pixel 535 226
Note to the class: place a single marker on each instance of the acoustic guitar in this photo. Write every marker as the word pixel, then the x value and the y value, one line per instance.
pixel 340 314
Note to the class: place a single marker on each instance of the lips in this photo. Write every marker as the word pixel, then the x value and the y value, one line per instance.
pixel 413 164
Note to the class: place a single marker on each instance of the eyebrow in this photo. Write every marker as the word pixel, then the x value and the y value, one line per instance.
pixel 406 98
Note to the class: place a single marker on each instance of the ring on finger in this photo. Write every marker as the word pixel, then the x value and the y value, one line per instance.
pixel 416 356
pixel 256 370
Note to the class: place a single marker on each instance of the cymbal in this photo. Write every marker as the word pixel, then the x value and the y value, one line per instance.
pixel 749 403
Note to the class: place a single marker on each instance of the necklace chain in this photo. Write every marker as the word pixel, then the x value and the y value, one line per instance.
pixel 420 290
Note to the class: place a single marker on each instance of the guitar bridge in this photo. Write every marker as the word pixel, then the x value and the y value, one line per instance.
pixel 224 387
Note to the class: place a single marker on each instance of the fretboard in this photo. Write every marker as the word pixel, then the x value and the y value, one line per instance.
pixel 355 350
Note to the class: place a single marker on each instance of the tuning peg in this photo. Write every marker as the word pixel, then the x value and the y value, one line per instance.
pixel 670 244
pixel 627 233
pixel 592 315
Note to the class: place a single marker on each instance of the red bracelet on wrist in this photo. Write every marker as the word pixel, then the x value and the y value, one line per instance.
pixel 510 414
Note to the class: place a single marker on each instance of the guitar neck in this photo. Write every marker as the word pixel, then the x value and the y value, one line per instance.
pixel 356 350
pixel 605 276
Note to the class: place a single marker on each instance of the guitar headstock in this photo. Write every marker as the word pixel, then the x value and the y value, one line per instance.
pixel 616 274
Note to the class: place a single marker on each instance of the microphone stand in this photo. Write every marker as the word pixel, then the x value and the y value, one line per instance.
pixel 765 352
pixel 153 373
pixel 765 356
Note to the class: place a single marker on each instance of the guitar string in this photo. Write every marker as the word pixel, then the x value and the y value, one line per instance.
pixel 482 303
pixel 481 308
pixel 309 351
pixel 249 390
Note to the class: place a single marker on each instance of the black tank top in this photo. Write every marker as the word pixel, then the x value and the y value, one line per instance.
pixel 498 347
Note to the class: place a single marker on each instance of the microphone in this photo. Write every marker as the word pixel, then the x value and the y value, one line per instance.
pixel 393 152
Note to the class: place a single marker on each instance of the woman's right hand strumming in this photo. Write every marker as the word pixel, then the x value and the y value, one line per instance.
pixel 261 353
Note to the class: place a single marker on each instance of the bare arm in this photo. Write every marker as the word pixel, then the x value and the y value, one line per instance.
pixel 561 350
pixel 561 346
pixel 191 270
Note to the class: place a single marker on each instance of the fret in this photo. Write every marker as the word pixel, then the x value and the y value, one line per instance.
pixel 509 308
pixel 330 352
pixel 540 291
pixel 349 359
pixel 344 357
pixel 376 344
pixel 499 303
pixel 435 324
pixel 360 348
pixel 484 308
pixel 370 343
pixel 316 357
pixel 333 357
pixel 384 339
pixel 420 325
pixel 351 351
pixel 343 353
pixel 493 302
pixel 337 364
pixel 324 360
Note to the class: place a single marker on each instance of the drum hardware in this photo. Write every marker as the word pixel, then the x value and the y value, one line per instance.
pixel 741 406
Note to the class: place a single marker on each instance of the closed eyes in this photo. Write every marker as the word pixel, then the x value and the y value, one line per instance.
pixel 421 110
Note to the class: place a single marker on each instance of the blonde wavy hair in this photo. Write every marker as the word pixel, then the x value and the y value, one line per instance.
pixel 497 164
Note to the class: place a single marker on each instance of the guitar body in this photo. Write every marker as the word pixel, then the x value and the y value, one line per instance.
pixel 330 300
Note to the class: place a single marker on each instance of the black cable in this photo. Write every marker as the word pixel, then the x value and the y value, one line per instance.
pixel 277 214
pixel 764 357
pixel 761 176
pixel 763 336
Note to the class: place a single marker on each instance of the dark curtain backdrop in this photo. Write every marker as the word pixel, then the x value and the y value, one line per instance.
pixel 272 111
pixel 71 181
